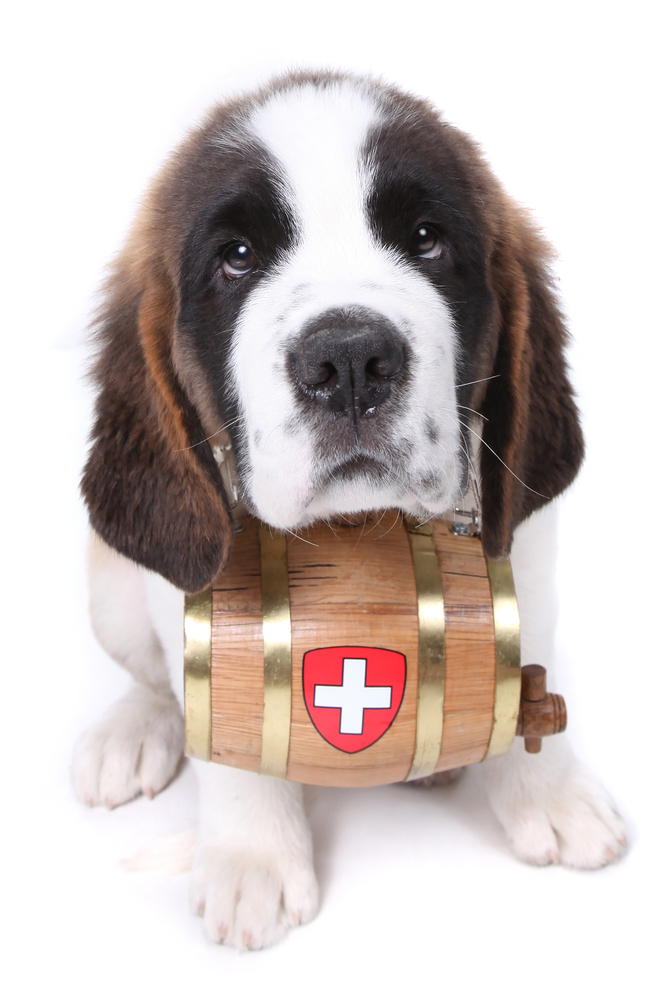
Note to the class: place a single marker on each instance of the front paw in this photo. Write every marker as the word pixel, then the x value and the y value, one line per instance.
pixel 248 900
pixel 555 811
pixel 135 748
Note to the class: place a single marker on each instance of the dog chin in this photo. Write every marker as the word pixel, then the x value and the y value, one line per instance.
pixel 359 484
pixel 348 494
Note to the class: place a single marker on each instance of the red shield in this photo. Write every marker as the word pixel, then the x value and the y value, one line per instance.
pixel 353 693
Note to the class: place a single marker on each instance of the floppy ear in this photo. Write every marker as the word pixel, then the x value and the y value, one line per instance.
pixel 152 487
pixel 532 422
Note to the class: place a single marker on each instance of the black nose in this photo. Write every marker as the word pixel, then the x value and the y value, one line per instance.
pixel 349 364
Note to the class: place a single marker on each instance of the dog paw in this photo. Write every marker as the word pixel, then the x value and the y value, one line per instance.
pixel 558 814
pixel 249 901
pixel 136 747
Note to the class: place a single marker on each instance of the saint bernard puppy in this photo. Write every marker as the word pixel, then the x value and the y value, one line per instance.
pixel 328 305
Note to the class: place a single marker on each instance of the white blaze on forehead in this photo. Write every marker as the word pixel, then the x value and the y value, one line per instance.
pixel 318 136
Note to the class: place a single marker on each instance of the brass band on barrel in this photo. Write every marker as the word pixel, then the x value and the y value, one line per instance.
pixel 431 624
pixel 277 633
pixel 508 657
pixel 197 675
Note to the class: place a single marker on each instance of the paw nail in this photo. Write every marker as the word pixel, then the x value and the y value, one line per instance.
pixel 149 793
pixel 222 929
pixel 247 939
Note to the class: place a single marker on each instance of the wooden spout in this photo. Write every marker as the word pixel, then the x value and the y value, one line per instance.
pixel 540 714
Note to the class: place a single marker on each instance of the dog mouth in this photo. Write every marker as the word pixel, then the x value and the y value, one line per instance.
pixel 358 466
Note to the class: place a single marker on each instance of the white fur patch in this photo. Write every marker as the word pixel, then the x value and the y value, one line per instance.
pixel 252 875
pixel 317 137
pixel 134 748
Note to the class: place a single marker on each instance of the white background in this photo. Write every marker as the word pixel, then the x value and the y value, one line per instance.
pixel 420 895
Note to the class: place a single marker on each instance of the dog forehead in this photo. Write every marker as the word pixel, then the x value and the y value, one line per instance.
pixel 317 137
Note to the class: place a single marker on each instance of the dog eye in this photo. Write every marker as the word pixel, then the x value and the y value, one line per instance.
pixel 425 242
pixel 238 259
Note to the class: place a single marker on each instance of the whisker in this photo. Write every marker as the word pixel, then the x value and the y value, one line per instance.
pixel 223 427
pixel 332 529
pixel 471 467
pixel 471 464
pixel 299 538
pixel 399 513
pixel 476 382
pixel 427 520
pixel 504 464
pixel 270 433
pixel 476 412
pixel 290 532
pixel 362 529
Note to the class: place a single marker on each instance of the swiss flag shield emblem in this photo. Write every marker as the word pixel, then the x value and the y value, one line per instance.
pixel 353 693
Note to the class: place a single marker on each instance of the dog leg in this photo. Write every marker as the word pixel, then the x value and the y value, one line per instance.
pixel 137 745
pixel 253 876
pixel 551 807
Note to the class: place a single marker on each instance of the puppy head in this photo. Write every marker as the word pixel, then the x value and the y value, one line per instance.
pixel 329 272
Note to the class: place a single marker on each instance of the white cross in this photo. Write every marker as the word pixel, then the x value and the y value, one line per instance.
pixel 352 696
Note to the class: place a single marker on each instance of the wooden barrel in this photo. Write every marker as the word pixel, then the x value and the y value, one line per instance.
pixel 353 655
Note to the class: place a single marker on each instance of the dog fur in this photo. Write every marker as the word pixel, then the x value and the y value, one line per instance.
pixel 325 183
